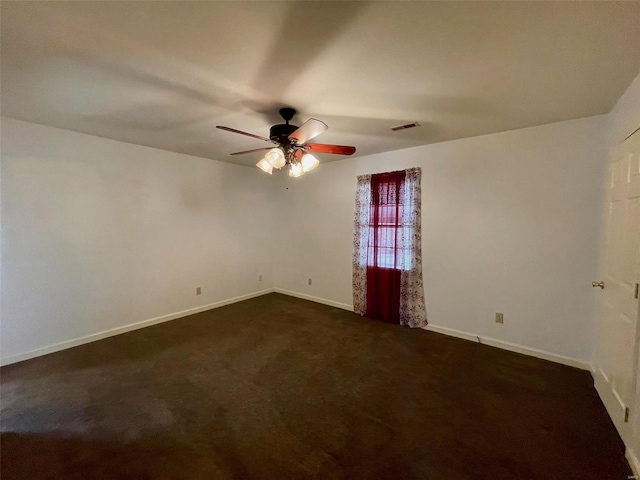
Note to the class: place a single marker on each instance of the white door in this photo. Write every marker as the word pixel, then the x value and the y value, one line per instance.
pixel 617 339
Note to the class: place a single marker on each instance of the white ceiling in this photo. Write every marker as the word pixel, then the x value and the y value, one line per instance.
pixel 164 74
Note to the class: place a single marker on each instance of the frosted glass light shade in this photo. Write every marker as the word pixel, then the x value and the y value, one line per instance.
pixel 275 157
pixel 295 170
pixel 265 166
pixel 309 162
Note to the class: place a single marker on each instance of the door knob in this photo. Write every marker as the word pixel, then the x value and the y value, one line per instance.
pixel 597 284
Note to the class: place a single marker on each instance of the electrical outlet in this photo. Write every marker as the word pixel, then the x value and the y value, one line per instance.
pixel 259 278
pixel 499 317
pixel 198 290
pixel 309 281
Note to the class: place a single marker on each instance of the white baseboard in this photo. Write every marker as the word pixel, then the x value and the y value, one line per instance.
pixel 513 347
pixel 126 328
pixel 165 318
pixel 324 301
pixel 534 352
pixel 633 461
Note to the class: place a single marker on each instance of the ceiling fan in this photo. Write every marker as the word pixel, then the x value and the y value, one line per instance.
pixel 292 149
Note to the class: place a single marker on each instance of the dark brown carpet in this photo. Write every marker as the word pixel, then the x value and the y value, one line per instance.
pixel 281 388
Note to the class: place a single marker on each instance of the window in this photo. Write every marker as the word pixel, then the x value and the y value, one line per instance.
pixel 385 246
pixel 387 258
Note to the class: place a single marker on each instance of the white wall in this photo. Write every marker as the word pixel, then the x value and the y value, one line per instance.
pixel 99 234
pixel 510 224
pixel 624 117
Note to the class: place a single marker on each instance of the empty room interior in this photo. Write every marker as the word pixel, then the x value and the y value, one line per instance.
pixel 320 240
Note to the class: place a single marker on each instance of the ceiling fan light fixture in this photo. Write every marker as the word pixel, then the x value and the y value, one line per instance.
pixel 295 170
pixel 309 162
pixel 275 158
pixel 265 166
pixel 292 145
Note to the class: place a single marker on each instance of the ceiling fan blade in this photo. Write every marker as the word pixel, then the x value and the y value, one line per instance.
pixel 251 151
pixel 333 149
pixel 233 130
pixel 308 130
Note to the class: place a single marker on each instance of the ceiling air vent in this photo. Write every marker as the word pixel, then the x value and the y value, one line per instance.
pixel 405 126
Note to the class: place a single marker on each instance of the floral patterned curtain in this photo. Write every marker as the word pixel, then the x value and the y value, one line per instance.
pixel 360 244
pixel 401 249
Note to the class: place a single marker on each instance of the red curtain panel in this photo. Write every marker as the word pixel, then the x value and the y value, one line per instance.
pixel 384 249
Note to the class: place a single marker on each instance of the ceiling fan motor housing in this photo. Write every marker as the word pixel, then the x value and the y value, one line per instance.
pixel 292 148
pixel 280 133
